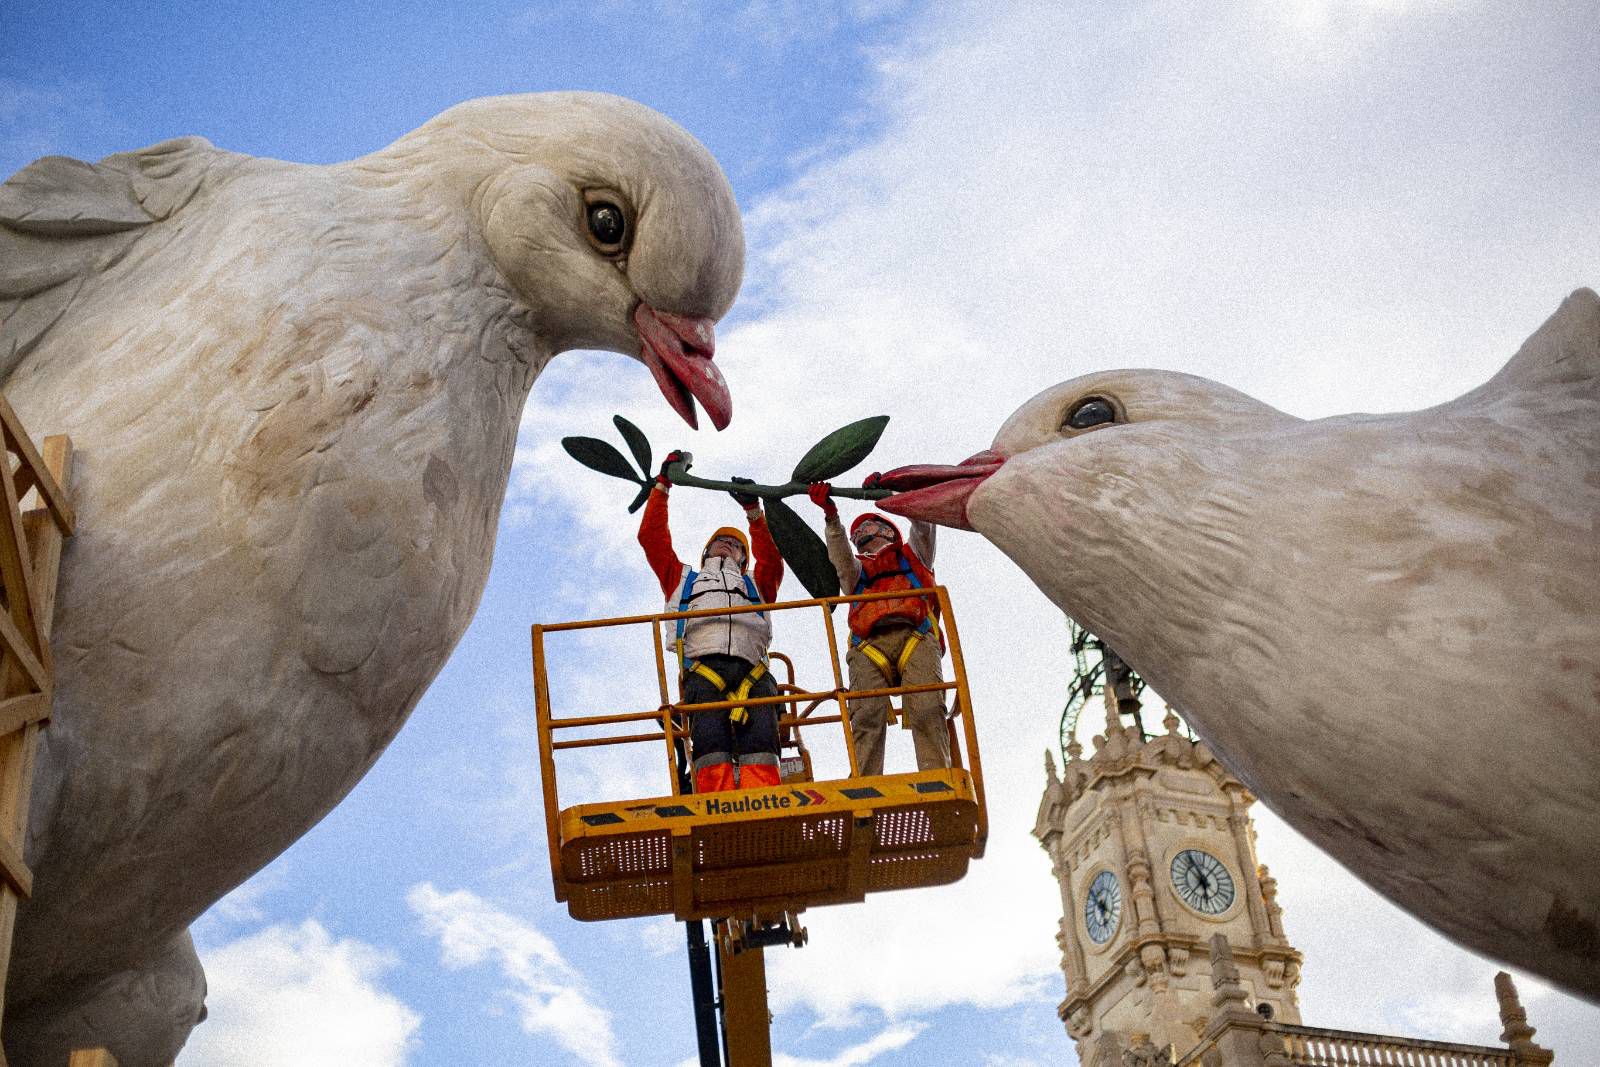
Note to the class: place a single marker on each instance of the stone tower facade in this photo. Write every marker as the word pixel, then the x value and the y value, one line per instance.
pixel 1152 845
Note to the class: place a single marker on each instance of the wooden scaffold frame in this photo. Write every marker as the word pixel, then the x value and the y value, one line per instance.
pixel 30 561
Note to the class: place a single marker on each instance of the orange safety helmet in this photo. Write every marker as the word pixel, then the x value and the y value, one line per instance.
pixel 737 535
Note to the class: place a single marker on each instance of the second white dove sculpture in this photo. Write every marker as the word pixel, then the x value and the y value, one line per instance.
pixel 1387 625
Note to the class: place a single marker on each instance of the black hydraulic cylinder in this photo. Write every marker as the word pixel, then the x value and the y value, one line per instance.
pixel 705 998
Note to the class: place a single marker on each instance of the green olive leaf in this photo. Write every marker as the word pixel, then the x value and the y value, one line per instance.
pixel 644 494
pixel 840 450
pixel 599 456
pixel 802 549
pixel 638 444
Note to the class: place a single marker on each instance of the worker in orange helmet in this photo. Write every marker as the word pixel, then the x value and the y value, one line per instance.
pixel 722 657
pixel 895 641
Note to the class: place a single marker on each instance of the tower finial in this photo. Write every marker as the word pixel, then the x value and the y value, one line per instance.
pixel 1229 990
pixel 1050 767
pixel 1516 1033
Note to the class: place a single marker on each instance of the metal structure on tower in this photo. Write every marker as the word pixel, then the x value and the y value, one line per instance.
pixel 1093 663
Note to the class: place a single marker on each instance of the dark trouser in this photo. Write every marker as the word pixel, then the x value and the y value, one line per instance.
pixel 719 745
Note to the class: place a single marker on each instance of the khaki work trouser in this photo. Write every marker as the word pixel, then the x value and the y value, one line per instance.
pixel 924 712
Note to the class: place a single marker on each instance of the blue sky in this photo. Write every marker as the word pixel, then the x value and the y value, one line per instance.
pixel 1333 206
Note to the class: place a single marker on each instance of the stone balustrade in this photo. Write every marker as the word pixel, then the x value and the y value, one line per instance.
pixel 1285 1045
pixel 1309 1046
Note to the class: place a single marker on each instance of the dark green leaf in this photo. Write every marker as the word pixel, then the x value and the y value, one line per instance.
pixel 599 456
pixel 644 494
pixel 840 450
pixel 802 549
pixel 638 444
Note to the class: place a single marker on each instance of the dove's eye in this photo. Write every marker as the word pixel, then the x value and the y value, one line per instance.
pixel 607 225
pixel 1091 411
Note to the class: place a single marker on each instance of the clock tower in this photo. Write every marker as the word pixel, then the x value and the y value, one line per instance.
pixel 1151 842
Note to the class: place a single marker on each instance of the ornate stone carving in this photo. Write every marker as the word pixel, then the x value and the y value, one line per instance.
pixel 1516 1032
pixel 1134 970
pixel 1269 896
pixel 1144 1053
pixel 1273 1051
pixel 1144 897
pixel 1228 991
pixel 1273 970
pixel 1154 962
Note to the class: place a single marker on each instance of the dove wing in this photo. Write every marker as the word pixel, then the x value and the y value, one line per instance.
pixel 63 220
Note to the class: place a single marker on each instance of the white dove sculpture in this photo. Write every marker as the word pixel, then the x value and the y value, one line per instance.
pixel 294 392
pixel 1387 625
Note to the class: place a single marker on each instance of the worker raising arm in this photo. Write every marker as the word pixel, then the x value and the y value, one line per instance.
pixel 894 641
pixel 723 657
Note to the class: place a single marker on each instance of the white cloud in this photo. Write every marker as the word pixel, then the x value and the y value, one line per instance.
pixel 661 936
pixel 1332 207
pixel 1004 1060
pixel 890 1040
pixel 551 998
pixel 295 996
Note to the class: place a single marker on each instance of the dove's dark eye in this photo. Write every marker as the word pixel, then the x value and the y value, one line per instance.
pixel 608 225
pixel 1092 411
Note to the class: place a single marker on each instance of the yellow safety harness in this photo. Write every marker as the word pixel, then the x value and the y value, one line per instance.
pixel 737 715
pixel 929 625
pixel 892 673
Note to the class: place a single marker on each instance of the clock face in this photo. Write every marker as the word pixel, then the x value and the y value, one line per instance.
pixel 1102 909
pixel 1202 881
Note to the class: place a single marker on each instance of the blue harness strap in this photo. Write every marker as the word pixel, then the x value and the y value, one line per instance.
pixel 686 595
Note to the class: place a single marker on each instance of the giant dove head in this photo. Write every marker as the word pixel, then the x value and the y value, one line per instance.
pixel 1387 625
pixel 606 226
pixel 610 223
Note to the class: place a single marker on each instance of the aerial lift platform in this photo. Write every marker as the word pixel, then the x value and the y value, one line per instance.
pixel 753 859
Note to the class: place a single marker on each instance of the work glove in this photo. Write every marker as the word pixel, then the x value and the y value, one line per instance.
pixel 744 500
pixel 661 476
pixel 821 494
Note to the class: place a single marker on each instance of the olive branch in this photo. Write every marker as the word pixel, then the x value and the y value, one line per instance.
pixel 798 543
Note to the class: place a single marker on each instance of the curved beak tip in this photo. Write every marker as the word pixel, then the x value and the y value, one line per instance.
pixel 678 349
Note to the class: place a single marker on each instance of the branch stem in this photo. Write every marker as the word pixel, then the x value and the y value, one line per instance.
pixel 678 476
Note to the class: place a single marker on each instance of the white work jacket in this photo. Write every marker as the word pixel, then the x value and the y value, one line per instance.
pixel 719 584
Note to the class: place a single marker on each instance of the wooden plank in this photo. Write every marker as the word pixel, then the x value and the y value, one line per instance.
pixel 92 1057
pixel 17 712
pixel 45 540
pixel 23 656
pixel 15 570
pixel 14 870
pixel 48 481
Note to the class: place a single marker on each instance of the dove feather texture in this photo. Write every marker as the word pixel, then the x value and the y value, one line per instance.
pixel 294 392
pixel 1387 625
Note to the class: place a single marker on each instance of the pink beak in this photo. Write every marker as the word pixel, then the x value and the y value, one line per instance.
pixel 936 493
pixel 678 351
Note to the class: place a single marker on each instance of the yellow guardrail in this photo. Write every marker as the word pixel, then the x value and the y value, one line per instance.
pixel 671 715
